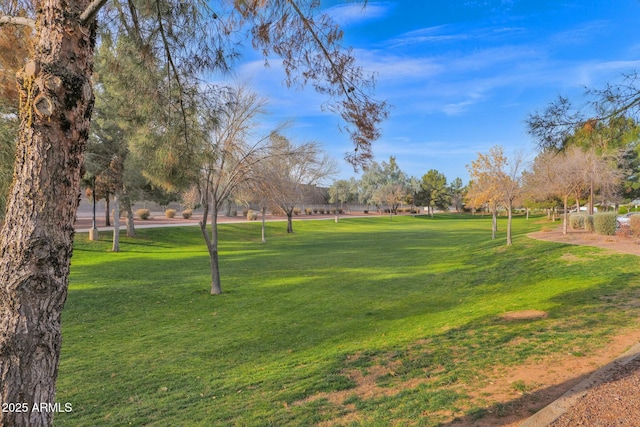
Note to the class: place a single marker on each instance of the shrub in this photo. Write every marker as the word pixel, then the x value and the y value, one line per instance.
pixel 634 225
pixel 233 213
pixel 605 223
pixel 252 215
pixel 296 211
pixel 170 213
pixel 308 211
pixel 588 223
pixel 245 212
pixel 315 210
pixel 578 221
pixel 366 211
pixel 340 211
pixel 321 211
pixel 186 214
pixel 143 214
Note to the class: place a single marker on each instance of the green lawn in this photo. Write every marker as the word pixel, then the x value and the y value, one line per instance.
pixel 412 304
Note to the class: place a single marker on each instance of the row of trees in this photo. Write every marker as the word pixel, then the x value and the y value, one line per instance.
pixel 154 113
pixel 385 185
pixel 598 162
pixel 229 154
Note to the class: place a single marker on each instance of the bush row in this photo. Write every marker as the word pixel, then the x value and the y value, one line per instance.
pixel 145 214
pixel 602 222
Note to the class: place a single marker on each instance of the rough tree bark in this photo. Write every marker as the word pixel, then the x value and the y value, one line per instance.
pixel 126 203
pixel 115 247
pixel 56 100
pixel 289 220
pixel 264 225
pixel 212 245
pixel 107 210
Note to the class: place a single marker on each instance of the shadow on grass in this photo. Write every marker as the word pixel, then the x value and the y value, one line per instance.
pixel 518 409
pixel 305 308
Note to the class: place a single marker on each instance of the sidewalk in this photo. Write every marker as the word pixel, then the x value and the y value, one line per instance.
pixel 158 220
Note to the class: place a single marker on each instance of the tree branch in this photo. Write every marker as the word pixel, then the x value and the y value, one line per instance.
pixel 91 11
pixel 346 91
pixel 18 20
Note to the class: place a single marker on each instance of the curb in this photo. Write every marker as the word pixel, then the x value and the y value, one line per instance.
pixel 555 409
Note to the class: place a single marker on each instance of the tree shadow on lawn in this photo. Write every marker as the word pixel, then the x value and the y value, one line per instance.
pixel 469 354
pixel 610 308
pixel 337 313
pixel 515 411
pixel 326 315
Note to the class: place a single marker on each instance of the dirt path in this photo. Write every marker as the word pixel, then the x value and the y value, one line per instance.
pixel 613 401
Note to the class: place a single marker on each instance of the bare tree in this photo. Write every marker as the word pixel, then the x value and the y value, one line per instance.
pixel 227 160
pixel 392 195
pixel 291 170
pixel 257 191
pixel 563 174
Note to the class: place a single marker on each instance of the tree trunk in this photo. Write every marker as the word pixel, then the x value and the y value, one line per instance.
pixel 116 223
pixel 212 243
pixel 126 202
pixel 509 217
pixel 591 196
pixel 107 207
pixel 36 239
pixel 264 213
pixel 290 221
pixel 494 222
pixel 565 216
pixel 216 285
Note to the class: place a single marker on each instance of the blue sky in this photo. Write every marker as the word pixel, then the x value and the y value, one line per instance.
pixel 461 75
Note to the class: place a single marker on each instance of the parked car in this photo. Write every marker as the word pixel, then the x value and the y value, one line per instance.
pixel 584 209
pixel 625 220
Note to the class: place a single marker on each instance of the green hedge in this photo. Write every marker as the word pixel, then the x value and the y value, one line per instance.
pixel 605 223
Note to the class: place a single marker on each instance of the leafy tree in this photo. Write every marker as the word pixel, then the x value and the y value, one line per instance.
pixel 496 181
pixel 372 178
pixel 414 188
pixel 343 191
pixel 55 89
pixel 384 183
pixel 435 192
pixel 457 192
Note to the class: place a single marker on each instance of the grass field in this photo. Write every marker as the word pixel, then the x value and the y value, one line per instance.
pixel 366 322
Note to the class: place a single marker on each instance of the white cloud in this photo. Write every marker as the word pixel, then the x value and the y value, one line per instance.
pixel 580 34
pixel 389 66
pixel 450 33
pixel 426 35
pixel 355 13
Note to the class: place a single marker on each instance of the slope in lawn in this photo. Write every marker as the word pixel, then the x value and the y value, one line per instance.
pixel 367 321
